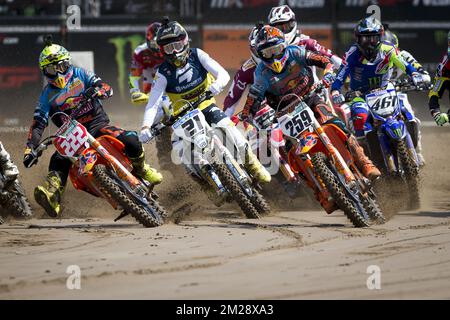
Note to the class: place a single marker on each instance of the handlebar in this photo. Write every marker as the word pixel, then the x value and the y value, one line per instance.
pixel 188 106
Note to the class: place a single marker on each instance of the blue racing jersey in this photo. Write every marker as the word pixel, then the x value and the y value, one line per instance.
pixel 365 75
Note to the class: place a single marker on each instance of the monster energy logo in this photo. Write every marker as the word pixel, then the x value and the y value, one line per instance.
pixel 374 82
pixel 120 44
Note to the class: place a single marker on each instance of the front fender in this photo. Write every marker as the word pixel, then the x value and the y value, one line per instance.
pixel 395 129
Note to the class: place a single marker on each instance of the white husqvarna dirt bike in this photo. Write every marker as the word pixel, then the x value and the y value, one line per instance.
pixel 204 152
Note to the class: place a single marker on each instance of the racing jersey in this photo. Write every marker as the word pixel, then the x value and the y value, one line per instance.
pixel 297 76
pixel 185 83
pixel 53 99
pixel 245 75
pixel 144 64
pixel 366 75
pixel 443 69
pixel 408 58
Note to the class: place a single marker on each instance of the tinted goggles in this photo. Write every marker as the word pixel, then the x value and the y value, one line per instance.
pixel 55 68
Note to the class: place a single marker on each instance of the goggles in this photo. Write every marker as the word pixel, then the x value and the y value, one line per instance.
pixel 369 40
pixel 55 68
pixel 273 51
pixel 285 27
pixel 175 47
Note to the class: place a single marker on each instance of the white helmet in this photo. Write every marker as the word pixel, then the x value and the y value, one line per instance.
pixel 252 43
pixel 283 18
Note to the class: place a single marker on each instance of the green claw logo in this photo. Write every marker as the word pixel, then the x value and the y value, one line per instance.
pixel 120 44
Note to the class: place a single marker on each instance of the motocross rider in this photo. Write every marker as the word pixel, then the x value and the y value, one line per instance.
pixel 370 64
pixel 441 83
pixel 283 18
pixel 187 73
pixel 8 168
pixel 391 38
pixel 147 57
pixel 66 86
pixel 285 69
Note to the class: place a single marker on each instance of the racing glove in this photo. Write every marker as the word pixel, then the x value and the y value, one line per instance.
pixel 417 78
pixel 441 118
pixel 328 79
pixel 337 98
pixel 138 98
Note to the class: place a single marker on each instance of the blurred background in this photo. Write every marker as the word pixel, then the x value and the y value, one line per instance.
pixel 111 29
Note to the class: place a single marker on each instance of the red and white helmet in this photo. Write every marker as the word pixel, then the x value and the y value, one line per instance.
pixel 283 18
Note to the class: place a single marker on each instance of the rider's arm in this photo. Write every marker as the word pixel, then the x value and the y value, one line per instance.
pixel 90 79
pixel 136 71
pixel 154 100
pixel 256 93
pixel 319 60
pixel 314 45
pixel 40 121
pixel 242 79
pixel 408 57
pixel 212 66
pixel 397 61
pixel 344 70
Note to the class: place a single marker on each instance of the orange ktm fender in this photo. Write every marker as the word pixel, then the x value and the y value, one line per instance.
pixel 81 173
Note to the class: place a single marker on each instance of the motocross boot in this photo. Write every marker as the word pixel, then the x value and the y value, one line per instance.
pixel 9 168
pixel 49 195
pixel 144 171
pixel 255 168
pixel 368 169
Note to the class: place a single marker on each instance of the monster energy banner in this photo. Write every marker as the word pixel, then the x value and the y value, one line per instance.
pixel 20 77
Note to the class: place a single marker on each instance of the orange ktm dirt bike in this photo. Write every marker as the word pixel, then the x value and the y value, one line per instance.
pixel 101 168
pixel 320 156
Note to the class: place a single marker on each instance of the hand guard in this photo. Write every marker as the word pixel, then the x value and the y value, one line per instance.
pixel 146 135
pixel 328 79
pixel 417 78
pixel 29 159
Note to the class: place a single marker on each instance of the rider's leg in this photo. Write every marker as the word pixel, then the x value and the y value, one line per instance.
pixel 9 168
pixel 218 118
pixel 413 124
pixel 360 114
pixel 135 152
pixel 50 193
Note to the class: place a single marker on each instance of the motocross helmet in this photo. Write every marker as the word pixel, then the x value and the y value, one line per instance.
pixel 252 42
pixel 390 38
pixel 173 41
pixel 271 48
pixel 55 64
pixel 368 34
pixel 150 37
pixel 283 18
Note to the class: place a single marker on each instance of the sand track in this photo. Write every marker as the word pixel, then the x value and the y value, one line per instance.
pixel 214 254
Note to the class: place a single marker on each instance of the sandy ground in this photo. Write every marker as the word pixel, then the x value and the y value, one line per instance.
pixel 210 254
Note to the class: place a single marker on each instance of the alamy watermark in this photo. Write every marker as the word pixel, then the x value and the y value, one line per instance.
pixel 374 280
pixel 73 281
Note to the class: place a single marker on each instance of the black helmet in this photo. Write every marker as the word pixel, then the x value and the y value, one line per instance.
pixel 174 42
pixel 368 34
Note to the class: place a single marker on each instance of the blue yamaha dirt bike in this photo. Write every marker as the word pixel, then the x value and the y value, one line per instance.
pixel 391 132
